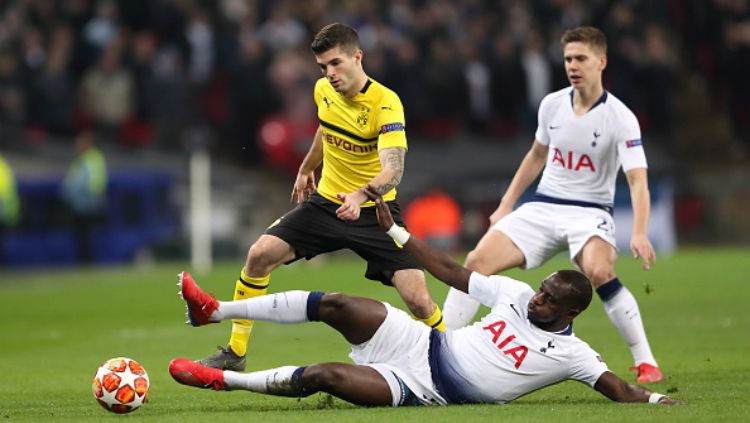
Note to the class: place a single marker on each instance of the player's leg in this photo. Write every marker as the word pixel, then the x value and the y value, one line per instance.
pixel 356 318
pixel 412 287
pixel 597 260
pixel 378 334
pixel 267 253
pixel 305 231
pixel 361 385
pixel 494 253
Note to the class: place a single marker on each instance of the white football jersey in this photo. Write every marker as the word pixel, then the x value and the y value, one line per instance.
pixel 504 355
pixel 585 152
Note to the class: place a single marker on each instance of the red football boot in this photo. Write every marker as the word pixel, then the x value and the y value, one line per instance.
pixel 648 373
pixel 199 304
pixel 191 373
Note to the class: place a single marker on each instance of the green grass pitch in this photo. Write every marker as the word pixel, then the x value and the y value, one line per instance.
pixel 56 327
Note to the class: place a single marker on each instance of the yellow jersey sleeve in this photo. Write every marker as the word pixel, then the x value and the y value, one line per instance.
pixel 390 122
pixel 317 91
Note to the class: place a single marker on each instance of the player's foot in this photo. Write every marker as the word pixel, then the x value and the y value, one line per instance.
pixel 191 373
pixel 648 373
pixel 199 304
pixel 225 359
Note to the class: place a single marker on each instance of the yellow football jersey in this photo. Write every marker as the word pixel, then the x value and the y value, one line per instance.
pixel 354 131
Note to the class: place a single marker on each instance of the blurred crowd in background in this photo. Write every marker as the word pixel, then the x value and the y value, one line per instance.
pixel 148 81
pixel 141 71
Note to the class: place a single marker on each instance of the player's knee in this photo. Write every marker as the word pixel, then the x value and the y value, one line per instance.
pixel 475 260
pixel 599 274
pixel 259 258
pixel 322 377
pixel 334 305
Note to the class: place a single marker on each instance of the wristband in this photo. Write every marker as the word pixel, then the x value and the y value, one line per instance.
pixel 399 234
pixel 654 398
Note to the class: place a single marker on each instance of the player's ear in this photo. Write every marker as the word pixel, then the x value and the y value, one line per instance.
pixel 573 312
pixel 603 62
pixel 358 55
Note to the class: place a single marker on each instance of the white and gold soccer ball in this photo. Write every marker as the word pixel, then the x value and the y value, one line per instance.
pixel 121 385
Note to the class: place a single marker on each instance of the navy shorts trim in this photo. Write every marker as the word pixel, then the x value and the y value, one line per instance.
pixel 541 198
pixel 407 398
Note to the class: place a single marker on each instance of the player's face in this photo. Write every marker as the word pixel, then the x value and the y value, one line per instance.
pixel 583 65
pixel 549 305
pixel 340 68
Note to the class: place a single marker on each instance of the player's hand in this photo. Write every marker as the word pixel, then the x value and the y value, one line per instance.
pixel 349 210
pixel 669 401
pixel 642 248
pixel 385 219
pixel 499 213
pixel 304 187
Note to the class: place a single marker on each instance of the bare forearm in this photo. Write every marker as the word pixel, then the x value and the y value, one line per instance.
pixel 531 166
pixel 618 390
pixel 634 393
pixel 392 163
pixel 439 264
pixel 386 180
pixel 641 200
pixel 314 156
pixel 640 197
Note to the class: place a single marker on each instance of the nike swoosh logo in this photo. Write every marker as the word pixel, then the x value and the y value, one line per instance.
pixel 516 311
pixel 554 127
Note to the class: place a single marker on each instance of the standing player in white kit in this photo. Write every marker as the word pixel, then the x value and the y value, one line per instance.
pixel 584 135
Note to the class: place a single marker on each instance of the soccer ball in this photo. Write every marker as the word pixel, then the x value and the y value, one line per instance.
pixel 120 385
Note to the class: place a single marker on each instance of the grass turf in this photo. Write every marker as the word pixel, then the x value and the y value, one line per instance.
pixel 56 327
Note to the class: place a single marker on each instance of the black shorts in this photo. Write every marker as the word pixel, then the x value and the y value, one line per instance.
pixel 312 228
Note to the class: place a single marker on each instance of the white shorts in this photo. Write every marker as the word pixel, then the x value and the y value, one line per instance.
pixel 400 347
pixel 541 230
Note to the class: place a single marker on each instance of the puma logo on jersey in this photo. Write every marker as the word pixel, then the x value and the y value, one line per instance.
pixel 572 161
pixel 327 102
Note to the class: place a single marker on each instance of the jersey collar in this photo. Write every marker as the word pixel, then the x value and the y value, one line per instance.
pixel 602 99
pixel 567 331
pixel 367 85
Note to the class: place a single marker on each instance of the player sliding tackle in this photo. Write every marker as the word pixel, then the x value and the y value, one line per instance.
pixel 526 342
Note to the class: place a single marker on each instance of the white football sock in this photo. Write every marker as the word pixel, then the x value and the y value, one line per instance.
pixel 623 311
pixel 284 307
pixel 272 381
pixel 459 309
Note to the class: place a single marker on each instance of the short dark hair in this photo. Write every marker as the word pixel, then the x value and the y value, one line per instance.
pixel 335 34
pixel 580 291
pixel 595 38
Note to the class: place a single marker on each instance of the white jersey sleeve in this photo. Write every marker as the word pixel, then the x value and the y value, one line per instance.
pixel 542 133
pixel 491 290
pixel 587 366
pixel 629 143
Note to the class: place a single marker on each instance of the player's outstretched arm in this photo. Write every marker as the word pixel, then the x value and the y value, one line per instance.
pixel 438 263
pixel 304 185
pixel 618 390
